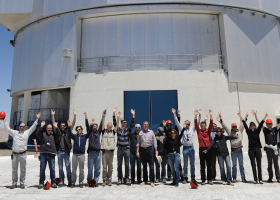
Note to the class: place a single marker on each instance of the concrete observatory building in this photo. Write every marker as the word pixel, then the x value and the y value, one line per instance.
pixel 150 55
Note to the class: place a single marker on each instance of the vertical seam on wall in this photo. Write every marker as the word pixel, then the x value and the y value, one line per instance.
pixel 220 40
pixel 150 104
pixel 238 97
pixel 81 43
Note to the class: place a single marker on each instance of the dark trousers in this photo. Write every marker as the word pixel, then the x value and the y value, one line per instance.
pixel 44 159
pixel 205 159
pixel 147 156
pixel 271 156
pixel 256 154
pixel 134 158
pixel 213 162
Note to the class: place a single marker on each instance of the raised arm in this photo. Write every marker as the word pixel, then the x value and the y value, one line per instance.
pixel 132 120
pixel 103 120
pixel 176 120
pixel 118 122
pixel 100 125
pixel 53 114
pixel 211 122
pixel 261 124
pixel 39 132
pixel 90 128
pixel 33 127
pixel 244 123
pixel 114 117
pixel 71 135
pixel 7 127
pixel 195 121
pixel 86 120
pixel 74 120
pixel 219 119
pixel 57 130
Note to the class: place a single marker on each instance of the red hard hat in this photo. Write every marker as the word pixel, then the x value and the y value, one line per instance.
pixel 47 185
pixel 169 122
pixel 233 124
pixel 91 183
pixel 57 181
pixel 268 121
pixel 193 184
pixel 2 115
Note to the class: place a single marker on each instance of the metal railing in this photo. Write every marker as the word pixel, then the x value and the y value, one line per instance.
pixel 210 61
pixel 17 118
pixel 181 59
pixel 46 115
pixel 90 64
pixel 149 61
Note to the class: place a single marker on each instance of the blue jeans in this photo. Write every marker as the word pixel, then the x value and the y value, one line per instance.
pixel 163 167
pixel 44 159
pixel 234 156
pixel 60 156
pixel 174 162
pixel 126 155
pixel 134 158
pixel 189 152
pixel 94 159
pixel 221 160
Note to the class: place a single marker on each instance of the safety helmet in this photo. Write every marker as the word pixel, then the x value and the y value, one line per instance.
pixel 193 184
pixel 169 122
pixel 2 115
pixel 92 183
pixel 57 181
pixel 233 124
pixel 47 185
pixel 268 121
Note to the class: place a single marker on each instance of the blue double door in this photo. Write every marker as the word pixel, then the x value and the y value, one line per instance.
pixel 152 106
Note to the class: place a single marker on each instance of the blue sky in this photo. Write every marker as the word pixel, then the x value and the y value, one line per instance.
pixel 6 66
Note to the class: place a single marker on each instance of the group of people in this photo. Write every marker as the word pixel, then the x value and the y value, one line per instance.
pixel 145 147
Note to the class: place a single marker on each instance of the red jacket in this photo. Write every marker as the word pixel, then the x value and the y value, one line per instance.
pixel 203 136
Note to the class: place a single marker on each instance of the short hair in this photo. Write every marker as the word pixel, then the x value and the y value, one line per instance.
pixel 109 123
pixel 62 123
pixel 138 125
pixel 123 121
pixel 95 124
pixel 219 129
pixel 79 127
pixel 187 121
pixel 145 122
pixel 214 124
pixel 203 122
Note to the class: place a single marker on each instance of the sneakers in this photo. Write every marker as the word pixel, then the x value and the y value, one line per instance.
pixel 152 184
pixel 119 182
pixel 60 183
pixel 13 187
pixel 69 184
pixel 176 184
pixel 260 182
pixel 143 183
pixel 169 178
pixel 40 186
pixel 234 180
pixel 182 178
pixel 109 183
pixel 173 183
pixel 164 181
pixel 104 183
pixel 269 180
pixel 230 184
pixel 81 185
pixel 128 183
pixel 224 183
pixel 210 182
pixel 132 181
pixel 185 180
pixel 156 181
pixel 203 183
pixel 22 186
pixel 54 186
pixel 72 186
pixel 244 180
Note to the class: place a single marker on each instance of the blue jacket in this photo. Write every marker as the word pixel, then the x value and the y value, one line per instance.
pixel 79 141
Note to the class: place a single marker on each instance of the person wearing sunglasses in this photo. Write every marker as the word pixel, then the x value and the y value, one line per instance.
pixel 187 141
pixel 270 136
pixel 203 135
pixel 133 136
pixel 236 147
pixel 78 157
pixel 108 147
pixel 20 140
pixel 255 146
pixel 48 151
pixel 222 154
pixel 63 145
pixel 124 148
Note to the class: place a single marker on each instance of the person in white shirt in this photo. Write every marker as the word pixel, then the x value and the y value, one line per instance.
pixel 20 139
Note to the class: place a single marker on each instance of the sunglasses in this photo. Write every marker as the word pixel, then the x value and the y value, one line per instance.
pixel 62 125
pixel 22 126
pixel 173 133
pixel 169 124
pixel 137 127
pixel 188 124
pixel 234 127
pixel 219 131
pixel 124 123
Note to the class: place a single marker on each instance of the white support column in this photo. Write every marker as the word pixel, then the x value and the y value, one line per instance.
pixel 14 108
pixel 26 106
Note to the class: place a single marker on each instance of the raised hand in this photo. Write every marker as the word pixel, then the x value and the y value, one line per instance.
pixel 239 115
pixel 120 119
pixel 206 117
pixel 178 112
pixel 85 113
pixel 220 115
pixel 92 121
pixel 38 115
pixel 254 112
pixel 132 111
pixel 115 110
pixel 266 115
pixel 104 112
pixel 218 119
pixel 53 112
pixel 247 114
pixel 69 123
pixel 173 111
pixel 119 114
pixel 210 113
pixel 55 125
pixel 74 112
pixel 43 123
pixel 196 112
pixel 163 122
pixel 199 111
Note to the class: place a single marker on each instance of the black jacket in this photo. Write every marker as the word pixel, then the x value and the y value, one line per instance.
pixel 67 140
pixel 172 145
pixel 221 142
pixel 133 136
pixel 45 139
pixel 254 136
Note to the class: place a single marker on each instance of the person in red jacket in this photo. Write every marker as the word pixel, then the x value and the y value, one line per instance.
pixel 203 135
